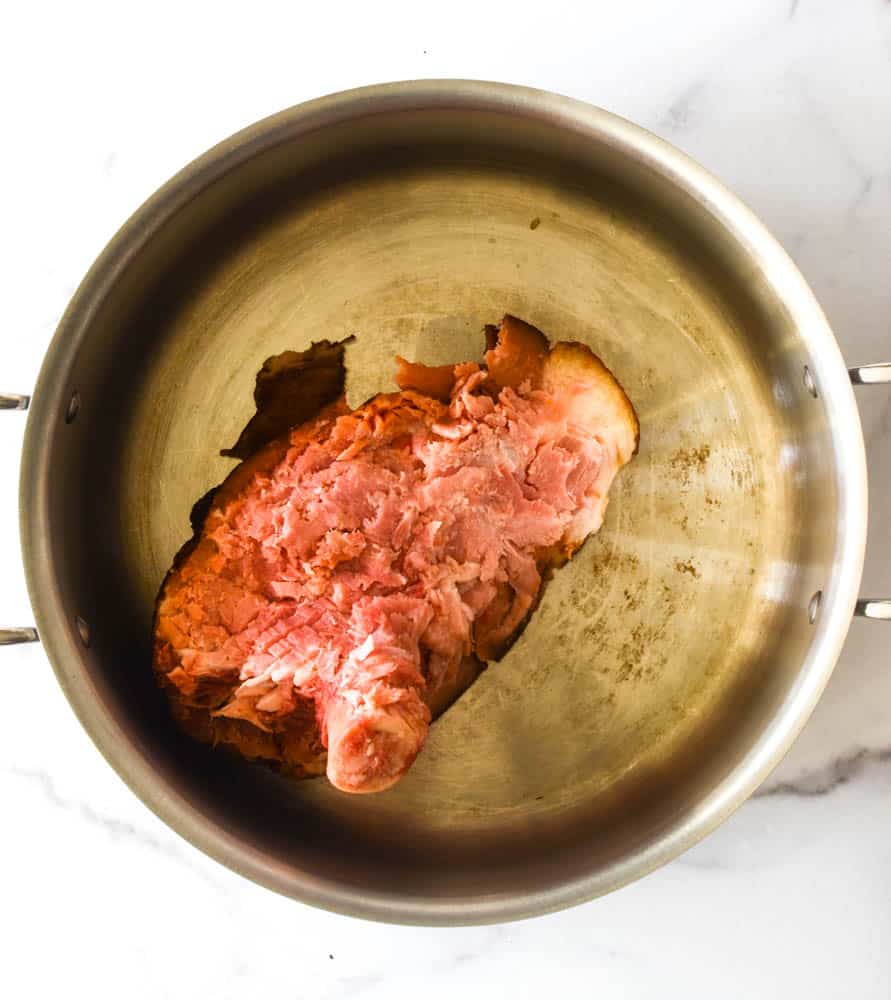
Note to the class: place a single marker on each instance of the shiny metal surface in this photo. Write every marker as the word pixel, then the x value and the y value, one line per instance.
pixel 874 608
pixel 13 401
pixel 871 374
pixel 877 374
pixel 669 666
pixel 14 636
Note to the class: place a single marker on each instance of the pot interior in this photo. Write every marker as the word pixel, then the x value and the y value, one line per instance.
pixel 657 656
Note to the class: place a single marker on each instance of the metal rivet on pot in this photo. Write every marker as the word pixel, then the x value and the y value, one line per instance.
pixel 73 407
pixel 83 630
pixel 809 382
pixel 813 609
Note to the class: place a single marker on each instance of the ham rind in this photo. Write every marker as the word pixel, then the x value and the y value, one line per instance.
pixel 353 576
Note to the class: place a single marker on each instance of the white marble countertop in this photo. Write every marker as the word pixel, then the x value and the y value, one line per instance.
pixel 789 102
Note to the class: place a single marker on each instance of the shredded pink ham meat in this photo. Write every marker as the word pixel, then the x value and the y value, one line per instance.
pixel 353 570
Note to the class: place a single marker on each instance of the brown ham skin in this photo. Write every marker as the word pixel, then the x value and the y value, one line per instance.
pixel 220 586
pixel 516 354
pixel 435 382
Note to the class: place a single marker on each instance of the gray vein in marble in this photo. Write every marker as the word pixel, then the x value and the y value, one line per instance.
pixel 866 186
pixel 878 432
pixel 793 10
pixel 825 780
pixel 885 416
pixel 691 859
pixel 118 829
pixel 350 986
pixel 678 114
pixel 830 130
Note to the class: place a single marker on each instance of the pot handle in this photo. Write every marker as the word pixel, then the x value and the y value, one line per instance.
pixel 867 608
pixel 12 401
pixel 872 375
pixel 12 636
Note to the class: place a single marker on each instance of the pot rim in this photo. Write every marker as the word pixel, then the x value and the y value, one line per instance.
pixel 50 400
